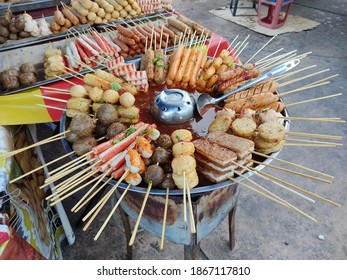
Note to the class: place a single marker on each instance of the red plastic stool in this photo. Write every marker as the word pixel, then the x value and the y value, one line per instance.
pixel 275 17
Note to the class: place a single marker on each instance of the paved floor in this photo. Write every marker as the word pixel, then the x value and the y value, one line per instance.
pixel 265 230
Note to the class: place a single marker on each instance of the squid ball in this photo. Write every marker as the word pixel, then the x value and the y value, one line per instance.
pixel 107 114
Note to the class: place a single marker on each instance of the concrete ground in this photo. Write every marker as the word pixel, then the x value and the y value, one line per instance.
pixel 265 230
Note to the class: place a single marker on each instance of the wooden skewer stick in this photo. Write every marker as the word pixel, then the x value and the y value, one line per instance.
pixel 308 145
pixel 84 200
pixel 289 206
pixel 297 188
pixel 76 74
pixel 61 198
pixel 58 92
pixel 231 44
pixel 238 54
pixel 241 45
pixel 314 142
pixel 78 159
pixel 103 201
pixel 111 213
pixel 268 42
pixel 184 198
pixel 40 167
pixel 51 107
pixel 161 248
pixel 313 119
pixel 67 187
pixel 302 78
pixel 65 80
pixel 215 53
pixel 275 182
pixel 133 236
pixel 293 164
pixel 42 142
pixel 55 89
pixel 61 174
pixel 266 57
pixel 313 99
pixel 292 172
pixel 309 86
pixel 51 98
pixel 191 216
pixel 321 136
pixel 286 75
pixel 267 62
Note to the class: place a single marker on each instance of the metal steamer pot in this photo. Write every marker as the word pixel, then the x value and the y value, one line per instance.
pixel 211 203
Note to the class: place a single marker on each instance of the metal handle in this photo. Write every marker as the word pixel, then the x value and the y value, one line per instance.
pixel 274 72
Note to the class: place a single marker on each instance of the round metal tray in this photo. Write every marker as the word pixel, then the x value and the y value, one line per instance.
pixel 196 190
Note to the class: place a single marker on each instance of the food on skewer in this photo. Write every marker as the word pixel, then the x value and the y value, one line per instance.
pixel 84 145
pixel 12 78
pixel 244 127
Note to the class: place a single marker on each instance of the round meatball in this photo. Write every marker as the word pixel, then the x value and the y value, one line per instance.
pixel 82 125
pixel 71 137
pixel 27 68
pixel 27 78
pixel 115 129
pixel 107 114
pixel 161 155
pixel 164 141
pixel 168 182
pixel 154 174
pixel 84 145
pixel 100 130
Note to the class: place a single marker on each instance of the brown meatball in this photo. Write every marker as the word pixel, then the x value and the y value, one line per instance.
pixel 168 182
pixel 20 22
pixel 84 145
pixel 161 155
pixel 4 32
pixel 82 125
pixel 27 68
pixel 10 82
pixel 115 129
pixel 164 141
pixel 154 174
pixel 6 18
pixel 71 137
pixel 27 79
pixel 100 130
pixel 3 39
pixel 107 114
pixel 12 71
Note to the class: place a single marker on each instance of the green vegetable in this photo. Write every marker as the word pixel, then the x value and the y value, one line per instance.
pixel 130 131
pixel 116 141
pixel 115 86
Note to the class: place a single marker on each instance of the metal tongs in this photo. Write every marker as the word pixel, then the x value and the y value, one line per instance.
pixel 204 99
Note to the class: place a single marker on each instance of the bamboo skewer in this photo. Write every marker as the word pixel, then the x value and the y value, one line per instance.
pixel 161 248
pixel 303 88
pixel 275 182
pixel 314 142
pixel 61 198
pixel 191 212
pixel 55 89
pixel 313 99
pixel 78 159
pixel 111 213
pixel 292 172
pixel 184 198
pixel 302 78
pixel 286 75
pixel 133 236
pixel 84 200
pixel 268 42
pixel 51 107
pixel 337 120
pixel 297 188
pixel 65 80
pixel 272 198
pixel 308 145
pixel 266 57
pixel 293 164
pixel 40 167
pixel 321 136
pixel 51 98
pixel 42 142
pixel 103 201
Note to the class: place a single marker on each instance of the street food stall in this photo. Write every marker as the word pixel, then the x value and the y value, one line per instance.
pixel 156 113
